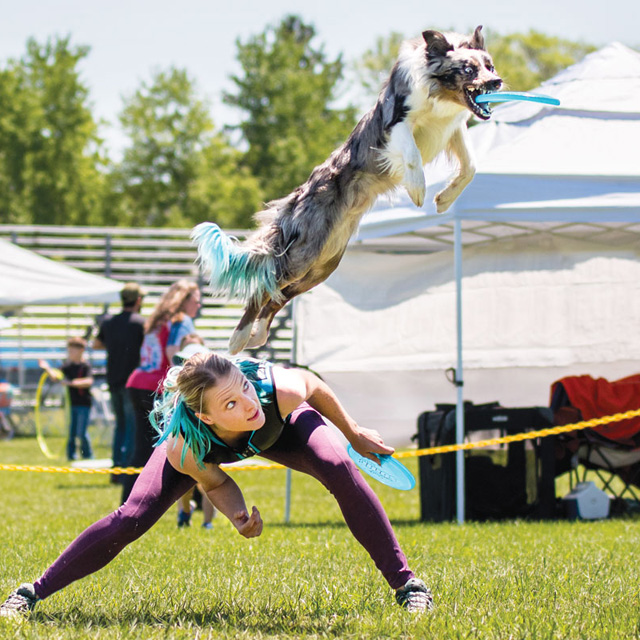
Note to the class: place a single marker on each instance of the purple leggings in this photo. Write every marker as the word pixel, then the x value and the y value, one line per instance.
pixel 306 445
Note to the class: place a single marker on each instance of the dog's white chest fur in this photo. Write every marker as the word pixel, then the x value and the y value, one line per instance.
pixel 433 122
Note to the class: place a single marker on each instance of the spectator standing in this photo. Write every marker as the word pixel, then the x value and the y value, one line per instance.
pixel 75 373
pixel 182 322
pixel 121 336
pixel 147 378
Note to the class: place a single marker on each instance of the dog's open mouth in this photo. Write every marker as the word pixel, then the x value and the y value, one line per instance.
pixel 483 111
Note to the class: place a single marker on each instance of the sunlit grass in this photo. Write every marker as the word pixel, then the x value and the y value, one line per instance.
pixel 310 579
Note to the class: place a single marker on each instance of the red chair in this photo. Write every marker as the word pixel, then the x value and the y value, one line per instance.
pixel 609 451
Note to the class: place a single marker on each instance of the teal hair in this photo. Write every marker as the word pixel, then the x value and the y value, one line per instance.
pixel 233 270
pixel 171 417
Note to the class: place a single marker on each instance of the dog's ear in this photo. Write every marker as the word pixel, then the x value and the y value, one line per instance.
pixel 437 44
pixel 477 40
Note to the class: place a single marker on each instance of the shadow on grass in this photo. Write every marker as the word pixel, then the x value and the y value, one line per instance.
pixel 73 487
pixel 275 620
pixel 336 525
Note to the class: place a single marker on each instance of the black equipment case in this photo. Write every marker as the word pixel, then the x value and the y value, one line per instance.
pixel 504 481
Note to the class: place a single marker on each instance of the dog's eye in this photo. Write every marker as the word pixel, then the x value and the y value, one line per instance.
pixel 469 70
pixel 490 67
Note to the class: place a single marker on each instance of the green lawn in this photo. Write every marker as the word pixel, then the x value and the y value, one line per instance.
pixel 309 579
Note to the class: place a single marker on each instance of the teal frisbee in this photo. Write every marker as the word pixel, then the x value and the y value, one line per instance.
pixel 506 96
pixel 390 471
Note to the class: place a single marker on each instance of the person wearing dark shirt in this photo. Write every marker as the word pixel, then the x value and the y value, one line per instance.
pixel 75 373
pixel 121 336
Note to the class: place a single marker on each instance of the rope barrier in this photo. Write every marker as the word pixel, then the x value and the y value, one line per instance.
pixel 525 435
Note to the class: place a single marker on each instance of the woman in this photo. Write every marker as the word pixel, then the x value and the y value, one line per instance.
pixel 182 321
pixel 216 410
pixel 158 347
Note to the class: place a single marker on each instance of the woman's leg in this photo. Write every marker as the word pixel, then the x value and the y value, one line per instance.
pixel 158 487
pixel 309 445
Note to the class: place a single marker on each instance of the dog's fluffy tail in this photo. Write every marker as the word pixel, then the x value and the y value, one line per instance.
pixel 234 270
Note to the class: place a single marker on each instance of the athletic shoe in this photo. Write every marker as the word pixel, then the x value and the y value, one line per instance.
pixel 415 596
pixel 20 602
pixel 207 525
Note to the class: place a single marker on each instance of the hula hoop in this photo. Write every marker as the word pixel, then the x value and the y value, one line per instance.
pixel 36 416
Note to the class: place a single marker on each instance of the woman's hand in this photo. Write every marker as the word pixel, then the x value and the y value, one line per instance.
pixel 367 442
pixel 249 526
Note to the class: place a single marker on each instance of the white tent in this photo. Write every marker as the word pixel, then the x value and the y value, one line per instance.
pixel 549 277
pixel 29 279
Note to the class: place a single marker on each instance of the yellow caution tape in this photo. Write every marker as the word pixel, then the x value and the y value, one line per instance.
pixel 526 435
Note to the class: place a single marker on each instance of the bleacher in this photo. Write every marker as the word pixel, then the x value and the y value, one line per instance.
pixel 155 258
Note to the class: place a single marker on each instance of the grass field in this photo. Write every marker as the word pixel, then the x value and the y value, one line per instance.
pixel 309 579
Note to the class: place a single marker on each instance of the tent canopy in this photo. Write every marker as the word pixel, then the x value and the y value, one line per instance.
pixel 29 279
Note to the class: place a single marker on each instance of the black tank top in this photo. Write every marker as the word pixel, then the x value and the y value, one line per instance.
pixel 260 375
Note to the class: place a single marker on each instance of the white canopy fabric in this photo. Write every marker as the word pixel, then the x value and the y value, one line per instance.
pixel 29 279
pixel 551 230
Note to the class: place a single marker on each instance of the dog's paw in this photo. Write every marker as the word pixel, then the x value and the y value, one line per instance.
pixel 444 200
pixel 259 334
pixel 415 185
pixel 239 340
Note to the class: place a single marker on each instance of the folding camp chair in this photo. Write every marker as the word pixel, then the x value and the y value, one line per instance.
pixel 605 457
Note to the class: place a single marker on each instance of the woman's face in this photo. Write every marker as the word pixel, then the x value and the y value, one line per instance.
pixel 232 405
pixel 191 305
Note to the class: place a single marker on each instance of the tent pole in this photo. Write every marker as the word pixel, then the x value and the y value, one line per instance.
pixel 460 476
pixel 293 358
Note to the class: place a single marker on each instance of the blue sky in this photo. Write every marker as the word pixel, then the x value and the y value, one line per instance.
pixel 129 39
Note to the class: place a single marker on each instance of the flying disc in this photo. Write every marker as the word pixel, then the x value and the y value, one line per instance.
pixel 506 96
pixel 390 471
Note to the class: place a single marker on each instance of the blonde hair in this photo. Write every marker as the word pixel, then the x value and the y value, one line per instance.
pixel 78 342
pixel 170 304
pixel 191 338
pixel 199 373
pixel 174 414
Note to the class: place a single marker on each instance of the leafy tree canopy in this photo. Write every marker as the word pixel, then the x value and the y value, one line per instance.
pixel 171 172
pixel 286 91
pixel 50 160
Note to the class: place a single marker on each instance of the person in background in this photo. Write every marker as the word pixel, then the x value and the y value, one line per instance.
pixel 182 321
pixel 7 428
pixel 121 336
pixel 75 373
pixel 147 378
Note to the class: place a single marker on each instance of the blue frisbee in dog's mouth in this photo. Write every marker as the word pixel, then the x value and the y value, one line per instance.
pixel 390 471
pixel 506 96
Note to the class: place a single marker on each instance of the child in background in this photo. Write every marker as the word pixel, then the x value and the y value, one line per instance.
pixel 75 373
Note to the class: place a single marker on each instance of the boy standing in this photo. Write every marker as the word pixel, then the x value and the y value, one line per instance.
pixel 75 373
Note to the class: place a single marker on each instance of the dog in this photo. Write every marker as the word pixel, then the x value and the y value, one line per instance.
pixel 421 111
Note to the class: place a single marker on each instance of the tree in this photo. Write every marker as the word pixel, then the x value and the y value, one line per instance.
pixel 172 170
pixel 286 91
pixel 50 158
pixel 167 126
pixel 375 65
pixel 525 60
